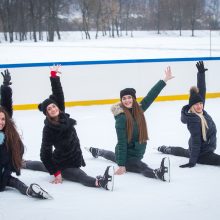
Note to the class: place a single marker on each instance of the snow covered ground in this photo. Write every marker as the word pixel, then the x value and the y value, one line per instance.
pixel 144 45
pixel 192 193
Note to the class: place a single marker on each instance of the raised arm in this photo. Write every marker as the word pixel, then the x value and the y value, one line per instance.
pixel 57 90
pixel 155 91
pixel 201 84
pixel 6 93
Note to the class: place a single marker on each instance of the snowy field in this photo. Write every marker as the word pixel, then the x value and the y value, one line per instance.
pixel 144 45
pixel 192 193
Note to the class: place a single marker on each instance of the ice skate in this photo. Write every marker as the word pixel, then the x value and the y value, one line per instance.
pixel 163 173
pixel 35 191
pixel 93 151
pixel 107 180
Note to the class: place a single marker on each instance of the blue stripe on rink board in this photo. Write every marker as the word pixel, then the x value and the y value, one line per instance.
pixel 100 62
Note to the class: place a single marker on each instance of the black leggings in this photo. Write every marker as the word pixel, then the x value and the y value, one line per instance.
pixel 72 174
pixel 132 165
pixel 208 158
pixel 17 184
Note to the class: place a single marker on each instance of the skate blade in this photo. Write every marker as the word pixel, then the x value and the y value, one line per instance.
pixel 111 172
pixel 87 149
pixel 37 189
pixel 167 174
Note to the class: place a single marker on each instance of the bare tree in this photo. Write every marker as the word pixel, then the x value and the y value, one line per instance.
pixel 213 13
pixel 3 17
pixel 180 15
pixel 85 8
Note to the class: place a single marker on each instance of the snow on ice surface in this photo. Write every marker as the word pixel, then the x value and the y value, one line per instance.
pixel 192 193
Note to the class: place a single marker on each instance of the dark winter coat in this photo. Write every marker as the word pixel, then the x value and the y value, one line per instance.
pixel 6 165
pixel 134 149
pixel 197 146
pixel 62 136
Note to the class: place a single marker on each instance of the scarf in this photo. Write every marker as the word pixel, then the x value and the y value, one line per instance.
pixel 203 123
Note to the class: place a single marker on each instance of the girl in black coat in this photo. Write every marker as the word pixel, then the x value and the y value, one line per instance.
pixel 202 141
pixel 59 132
pixel 11 147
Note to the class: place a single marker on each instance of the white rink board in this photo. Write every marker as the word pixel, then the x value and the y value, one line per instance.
pixel 104 81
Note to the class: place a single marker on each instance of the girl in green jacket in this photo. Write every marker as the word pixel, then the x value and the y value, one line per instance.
pixel 132 133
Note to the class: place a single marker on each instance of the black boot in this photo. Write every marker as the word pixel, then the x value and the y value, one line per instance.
pixel 93 151
pixel 164 149
pixel 163 173
pixel 34 190
pixel 107 180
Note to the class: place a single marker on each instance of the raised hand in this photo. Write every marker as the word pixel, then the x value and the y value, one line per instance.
pixel 55 68
pixel 168 74
pixel 6 78
pixel 200 67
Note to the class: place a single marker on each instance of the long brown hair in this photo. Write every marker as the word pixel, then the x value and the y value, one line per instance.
pixel 13 141
pixel 140 119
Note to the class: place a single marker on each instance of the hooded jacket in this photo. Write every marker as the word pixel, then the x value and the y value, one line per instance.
pixel 197 146
pixel 62 136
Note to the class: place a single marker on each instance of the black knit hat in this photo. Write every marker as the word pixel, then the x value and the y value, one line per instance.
pixel 128 91
pixel 43 106
pixel 195 97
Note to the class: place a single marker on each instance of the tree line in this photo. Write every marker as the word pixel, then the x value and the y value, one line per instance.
pixel 29 19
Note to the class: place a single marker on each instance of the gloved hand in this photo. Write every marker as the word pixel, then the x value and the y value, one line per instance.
pixel 189 165
pixel 6 78
pixel 200 67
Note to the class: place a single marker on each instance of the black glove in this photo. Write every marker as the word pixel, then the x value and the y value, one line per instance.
pixel 7 78
pixel 200 67
pixel 189 165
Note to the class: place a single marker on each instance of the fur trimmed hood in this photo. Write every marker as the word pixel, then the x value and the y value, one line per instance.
pixel 117 109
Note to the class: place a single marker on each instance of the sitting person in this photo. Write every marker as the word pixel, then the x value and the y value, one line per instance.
pixel 132 134
pixel 59 132
pixel 12 148
pixel 202 141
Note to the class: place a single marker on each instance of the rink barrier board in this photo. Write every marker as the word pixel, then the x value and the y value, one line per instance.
pixel 103 62
pixel 112 101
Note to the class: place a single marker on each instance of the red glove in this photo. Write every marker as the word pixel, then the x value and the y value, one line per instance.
pixel 57 173
pixel 53 74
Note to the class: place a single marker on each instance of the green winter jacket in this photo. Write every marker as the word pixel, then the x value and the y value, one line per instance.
pixel 123 149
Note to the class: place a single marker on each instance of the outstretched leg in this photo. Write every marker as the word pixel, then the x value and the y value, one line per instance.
pixel 138 166
pixel 34 190
pixel 96 152
pixel 33 165
pixel 17 184
pixel 210 159
pixel 176 151
pixel 77 175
